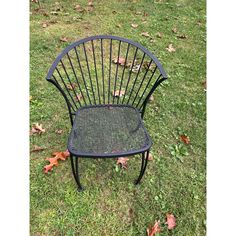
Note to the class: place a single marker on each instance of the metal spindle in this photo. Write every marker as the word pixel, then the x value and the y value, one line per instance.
pixel 116 71
pixel 103 85
pixel 109 78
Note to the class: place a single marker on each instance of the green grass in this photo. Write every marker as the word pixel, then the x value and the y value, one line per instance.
pixel 175 181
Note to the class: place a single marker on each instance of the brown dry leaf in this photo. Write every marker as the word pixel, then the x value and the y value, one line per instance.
pixel 145 14
pixel 123 162
pixel 64 39
pixel 182 36
pixel 37 149
pixel 151 231
pixel 54 12
pixel 159 35
pixel 150 157
pixel 79 8
pixel 79 97
pixel 71 86
pixel 59 131
pixel 146 34
pixel 37 129
pixel 134 25
pixel 151 98
pixel 118 25
pixel 90 3
pixel 120 61
pixel 171 221
pixel 174 30
pixel 44 25
pixel 170 48
pixel 54 160
pixel 47 168
pixel 185 139
pixel 118 93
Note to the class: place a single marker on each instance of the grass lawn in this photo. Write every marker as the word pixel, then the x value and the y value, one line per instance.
pixel 175 180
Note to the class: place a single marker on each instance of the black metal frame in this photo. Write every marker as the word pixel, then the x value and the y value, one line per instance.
pixel 55 77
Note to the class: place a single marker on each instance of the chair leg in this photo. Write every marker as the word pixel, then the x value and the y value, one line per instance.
pixel 143 166
pixel 75 171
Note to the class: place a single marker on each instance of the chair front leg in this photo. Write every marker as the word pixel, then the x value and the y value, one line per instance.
pixel 75 171
pixel 143 166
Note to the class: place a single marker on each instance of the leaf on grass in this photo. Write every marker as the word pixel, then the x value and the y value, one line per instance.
pixel 30 98
pixel 118 93
pixel 185 139
pixel 59 131
pixel 71 86
pixel 90 3
pixel 134 25
pixel 174 30
pixel 37 129
pixel 182 36
pixel 119 60
pixel 64 39
pixel 37 149
pixel 151 231
pixel 135 68
pixel 150 157
pixel 170 48
pixel 170 221
pixel 44 25
pixel 54 12
pixel 145 34
pixel 151 98
pixel 79 97
pixel 54 160
pixel 205 85
pixel 122 161
pixel 78 8
pixel 159 35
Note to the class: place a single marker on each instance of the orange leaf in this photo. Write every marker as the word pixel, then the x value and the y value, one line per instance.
pixel 155 229
pixel 171 221
pixel 53 160
pixel 47 168
pixel 120 61
pixel 150 157
pixel 185 139
pixel 64 39
pixel 123 162
pixel 90 3
pixel 79 97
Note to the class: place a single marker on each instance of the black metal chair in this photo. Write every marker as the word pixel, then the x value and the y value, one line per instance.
pixel 106 82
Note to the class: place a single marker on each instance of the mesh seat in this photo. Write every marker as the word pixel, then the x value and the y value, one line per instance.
pixel 108 130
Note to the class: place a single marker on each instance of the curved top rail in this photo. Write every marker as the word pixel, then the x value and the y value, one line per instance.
pixel 71 46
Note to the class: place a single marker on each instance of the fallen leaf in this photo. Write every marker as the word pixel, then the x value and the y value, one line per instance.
pixel 59 131
pixel 134 25
pixel 122 161
pixel 185 139
pixel 205 85
pixel 145 14
pixel 182 36
pixel 37 149
pixel 79 97
pixel 159 35
pixel 170 48
pixel 151 231
pixel 138 13
pixel 37 129
pixel 71 86
pixel 30 98
pixel 146 34
pixel 54 160
pixel 47 168
pixel 120 61
pixel 171 221
pixel 135 68
pixel 150 157
pixel 45 25
pixel 118 25
pixel 118 93
pixel 64 39
pixel 79 8
pixel 90 3
pixel 54 12
pixel 174 30
pixel 151 98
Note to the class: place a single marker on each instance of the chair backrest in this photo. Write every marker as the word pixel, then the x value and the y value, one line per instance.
pixel 106 69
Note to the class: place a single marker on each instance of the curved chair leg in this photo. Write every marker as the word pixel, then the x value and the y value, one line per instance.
pixel 143 166
pixel 75 171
